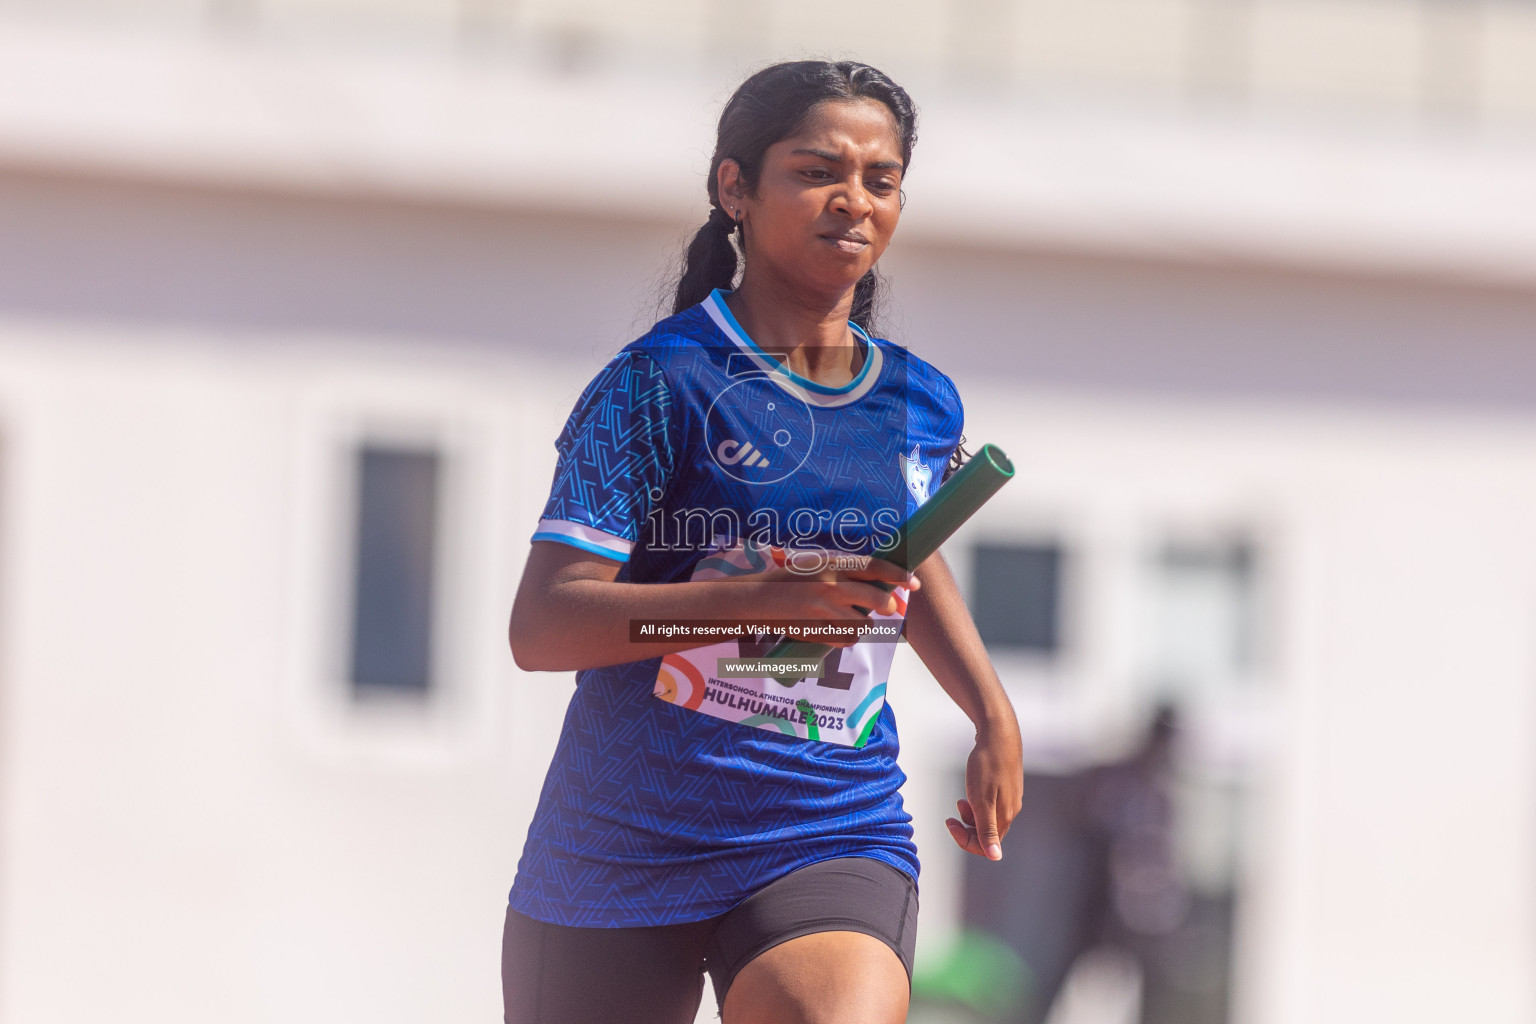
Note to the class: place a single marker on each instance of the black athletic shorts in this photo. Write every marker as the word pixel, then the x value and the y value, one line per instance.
pixel 551 974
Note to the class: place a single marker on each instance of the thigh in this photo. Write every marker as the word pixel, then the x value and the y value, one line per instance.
pixel 830 942
pixel 821 978
pixel 551 974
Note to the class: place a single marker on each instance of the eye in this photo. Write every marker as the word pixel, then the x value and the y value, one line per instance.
pixel 817 174
pixel 884 186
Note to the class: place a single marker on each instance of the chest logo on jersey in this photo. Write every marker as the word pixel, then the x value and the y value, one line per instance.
pixel 918 475
pixel 729 452
pixel 757 432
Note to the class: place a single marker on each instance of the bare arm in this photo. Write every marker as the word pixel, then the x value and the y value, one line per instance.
pixel 572 613
pixel 940 629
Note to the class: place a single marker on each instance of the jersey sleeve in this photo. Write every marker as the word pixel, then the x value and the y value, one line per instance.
pixel 951 426
pixel 615 457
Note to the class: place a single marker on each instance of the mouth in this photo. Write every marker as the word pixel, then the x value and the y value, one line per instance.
pixel 848 241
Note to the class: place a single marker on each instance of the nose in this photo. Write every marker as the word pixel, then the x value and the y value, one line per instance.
pixel 853 199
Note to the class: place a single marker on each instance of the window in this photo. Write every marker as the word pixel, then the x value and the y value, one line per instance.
pixel 1203 611
pixel 1016 595
pixel 394 566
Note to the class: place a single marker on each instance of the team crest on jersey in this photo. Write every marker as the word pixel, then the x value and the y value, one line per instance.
pixel 918 475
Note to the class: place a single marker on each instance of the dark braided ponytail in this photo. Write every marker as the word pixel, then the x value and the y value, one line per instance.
pixel 769 106
pixel 711 261
pixel 865 294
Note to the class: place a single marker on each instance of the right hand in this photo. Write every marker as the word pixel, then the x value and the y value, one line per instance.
pixel 842 594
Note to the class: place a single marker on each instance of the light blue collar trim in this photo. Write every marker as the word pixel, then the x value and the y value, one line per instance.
pixel 817 394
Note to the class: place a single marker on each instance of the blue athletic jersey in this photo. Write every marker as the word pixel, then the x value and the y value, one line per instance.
pixel 694 454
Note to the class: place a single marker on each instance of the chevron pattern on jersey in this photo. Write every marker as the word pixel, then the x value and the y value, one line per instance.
pixel 652 813
pixel 616 449
pixel 685 815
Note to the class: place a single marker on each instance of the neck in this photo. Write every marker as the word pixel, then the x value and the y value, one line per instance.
pixel 809 333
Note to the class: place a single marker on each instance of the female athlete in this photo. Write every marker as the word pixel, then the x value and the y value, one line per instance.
pixel 739 463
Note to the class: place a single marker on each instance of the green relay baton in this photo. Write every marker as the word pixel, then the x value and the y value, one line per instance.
pixel 928 528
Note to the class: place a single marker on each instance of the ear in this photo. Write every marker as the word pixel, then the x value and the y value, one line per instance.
pixel 730 187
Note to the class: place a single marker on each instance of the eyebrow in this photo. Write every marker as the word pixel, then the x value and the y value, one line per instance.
pixel 830 157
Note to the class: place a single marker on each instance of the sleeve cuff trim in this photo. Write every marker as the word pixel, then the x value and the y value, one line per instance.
pixel 584 537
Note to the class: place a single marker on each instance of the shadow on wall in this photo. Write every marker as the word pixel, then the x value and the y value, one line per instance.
pixel 246 262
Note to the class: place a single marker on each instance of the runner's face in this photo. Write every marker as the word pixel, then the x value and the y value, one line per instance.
pixel 827 199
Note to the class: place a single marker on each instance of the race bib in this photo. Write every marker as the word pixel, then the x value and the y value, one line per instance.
pixel 839 707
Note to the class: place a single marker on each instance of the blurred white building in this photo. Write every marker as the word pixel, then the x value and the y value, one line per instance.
pixel 1247 290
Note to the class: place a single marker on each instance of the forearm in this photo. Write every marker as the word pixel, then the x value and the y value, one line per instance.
pixel 940 630
pixel 572 613
pixel 584 623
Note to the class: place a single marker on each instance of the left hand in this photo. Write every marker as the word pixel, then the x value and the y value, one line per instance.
pixel 994 792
